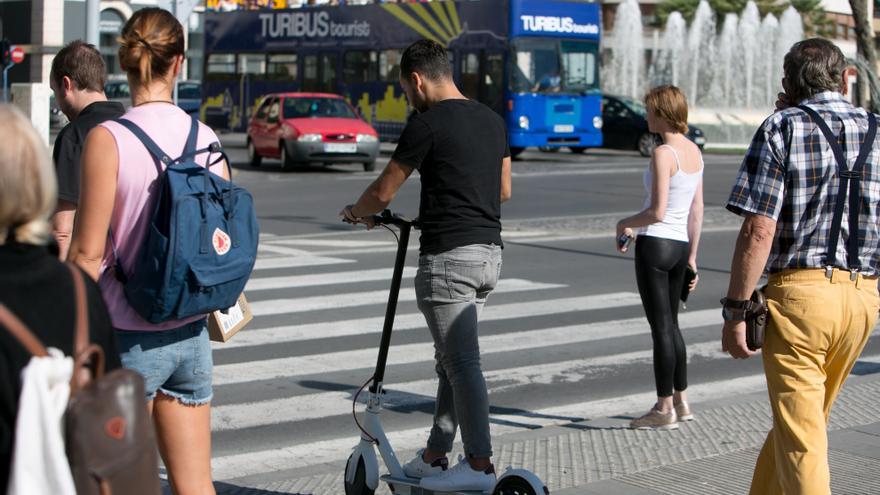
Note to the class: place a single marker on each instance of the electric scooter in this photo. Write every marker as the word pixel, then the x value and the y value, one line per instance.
pixel 362 468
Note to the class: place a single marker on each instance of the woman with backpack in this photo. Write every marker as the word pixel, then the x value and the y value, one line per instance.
pixel 119 185
pixel 35 287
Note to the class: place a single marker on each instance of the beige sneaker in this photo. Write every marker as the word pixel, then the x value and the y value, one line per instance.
pixel 683 411
pixel 656 420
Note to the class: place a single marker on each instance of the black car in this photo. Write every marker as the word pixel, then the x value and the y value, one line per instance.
pixel 625 126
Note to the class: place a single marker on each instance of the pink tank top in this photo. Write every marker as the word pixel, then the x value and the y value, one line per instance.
pixel 136 186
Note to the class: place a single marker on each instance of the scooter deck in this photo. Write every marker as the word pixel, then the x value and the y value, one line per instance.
pixel 410 486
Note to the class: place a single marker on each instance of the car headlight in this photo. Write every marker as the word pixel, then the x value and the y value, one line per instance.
pixel 523 122
pixel 367 138
pixel 597 122
pixel 311 138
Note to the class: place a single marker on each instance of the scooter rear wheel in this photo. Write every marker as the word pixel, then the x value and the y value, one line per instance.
pixel 514 485
pixel 359 485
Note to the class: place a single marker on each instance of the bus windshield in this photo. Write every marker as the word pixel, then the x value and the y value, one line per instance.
pixel 554 66
pixel 304 107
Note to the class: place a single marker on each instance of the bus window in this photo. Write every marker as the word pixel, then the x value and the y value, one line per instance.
pixel 310 73
pixel 360 67
pixel 493 81
pixel 220 64
pixel 328 72
pixel 282 66
pixel 579 66
pixel 470 76
pixel 252 63
pixel 389 65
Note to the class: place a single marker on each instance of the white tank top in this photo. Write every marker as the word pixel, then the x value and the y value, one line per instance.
pixel 682 188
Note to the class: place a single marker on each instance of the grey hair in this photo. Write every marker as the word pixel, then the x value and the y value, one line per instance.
pixel 813 66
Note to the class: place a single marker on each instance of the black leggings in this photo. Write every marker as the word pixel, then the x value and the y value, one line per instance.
pixel 660 270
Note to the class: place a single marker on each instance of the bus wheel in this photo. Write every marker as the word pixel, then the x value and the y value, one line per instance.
pixel 577 149
pixel 515 151
pixel 369 166
pixel 254 158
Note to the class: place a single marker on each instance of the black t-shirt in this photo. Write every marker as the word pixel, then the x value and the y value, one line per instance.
pixel 69 145
pixel 457 146
pixel 38 289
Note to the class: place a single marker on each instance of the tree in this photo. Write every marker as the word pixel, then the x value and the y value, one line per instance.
pixel 811 10
pixel 864 42
pixel 816 22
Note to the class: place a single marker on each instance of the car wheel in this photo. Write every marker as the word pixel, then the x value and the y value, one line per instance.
pixel 254 158
pixel 577 149
pixel 286 161
pixel 515 151
pixel 647 144
pixel 369 166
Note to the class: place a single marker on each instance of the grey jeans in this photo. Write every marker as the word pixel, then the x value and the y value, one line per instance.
pixel 451 289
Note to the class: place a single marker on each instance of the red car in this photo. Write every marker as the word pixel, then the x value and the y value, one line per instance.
pixel 301 128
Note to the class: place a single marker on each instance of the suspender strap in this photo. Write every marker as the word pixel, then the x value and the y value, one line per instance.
pixel 846 177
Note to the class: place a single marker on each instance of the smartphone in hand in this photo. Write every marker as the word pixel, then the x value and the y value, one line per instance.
pixel 624 241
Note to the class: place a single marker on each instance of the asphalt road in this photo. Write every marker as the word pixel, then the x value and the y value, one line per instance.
pixel 563 337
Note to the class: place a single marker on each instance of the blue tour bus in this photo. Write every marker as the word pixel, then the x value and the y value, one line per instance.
pixel 535 62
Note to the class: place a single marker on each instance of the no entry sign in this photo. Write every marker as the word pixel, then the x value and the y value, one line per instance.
pixel 17 55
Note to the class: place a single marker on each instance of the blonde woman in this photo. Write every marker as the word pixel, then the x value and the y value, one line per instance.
pixel 119 178
pixel 34 285
pixel 669 234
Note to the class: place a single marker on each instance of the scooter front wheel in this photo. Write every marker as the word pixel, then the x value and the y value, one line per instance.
pixel 514 485
pixel 358 485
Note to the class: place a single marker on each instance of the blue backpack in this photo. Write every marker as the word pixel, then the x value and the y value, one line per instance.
pixel 201 242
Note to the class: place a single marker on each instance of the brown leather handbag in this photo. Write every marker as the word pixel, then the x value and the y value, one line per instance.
pixel 109 436
pixel 756 320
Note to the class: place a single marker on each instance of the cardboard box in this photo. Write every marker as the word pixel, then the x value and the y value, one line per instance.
pixel 222 326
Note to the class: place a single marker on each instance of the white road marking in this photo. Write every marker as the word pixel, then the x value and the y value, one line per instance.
pixel 319 279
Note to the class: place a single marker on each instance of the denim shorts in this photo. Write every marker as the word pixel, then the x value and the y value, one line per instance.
pixel 176 362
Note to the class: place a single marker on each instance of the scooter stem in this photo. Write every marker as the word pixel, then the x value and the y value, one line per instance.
pixel 391 309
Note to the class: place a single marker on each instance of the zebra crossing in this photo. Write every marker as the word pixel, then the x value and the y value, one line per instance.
pixel 551 355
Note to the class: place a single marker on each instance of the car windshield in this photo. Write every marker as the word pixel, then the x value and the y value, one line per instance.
pixel 189 91
pixel 301 108
pixel 636 106
pixel 554 66
pixel 117 90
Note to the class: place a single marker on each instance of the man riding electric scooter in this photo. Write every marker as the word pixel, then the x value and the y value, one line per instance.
pixel 460 148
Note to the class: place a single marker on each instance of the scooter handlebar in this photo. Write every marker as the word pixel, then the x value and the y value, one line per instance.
pixel 389 218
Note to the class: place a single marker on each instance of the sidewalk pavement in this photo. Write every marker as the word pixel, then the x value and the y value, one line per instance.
pixel 715 454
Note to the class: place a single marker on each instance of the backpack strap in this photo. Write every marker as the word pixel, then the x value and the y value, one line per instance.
pixel 147 141
pixel 193 137
pixel 88 358
pixel 21 333
pixel 846 177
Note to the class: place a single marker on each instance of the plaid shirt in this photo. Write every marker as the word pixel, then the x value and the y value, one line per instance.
pixel 790 175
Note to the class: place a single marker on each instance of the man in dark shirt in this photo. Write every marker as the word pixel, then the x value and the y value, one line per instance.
pixel 77 79
pixel 460 149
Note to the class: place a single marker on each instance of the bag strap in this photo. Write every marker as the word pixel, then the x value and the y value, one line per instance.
pixel 81 335
pixel 21 333
pixel 153 148
pixel 850 178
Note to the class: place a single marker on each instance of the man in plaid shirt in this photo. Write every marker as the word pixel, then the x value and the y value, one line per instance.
pixel 819 319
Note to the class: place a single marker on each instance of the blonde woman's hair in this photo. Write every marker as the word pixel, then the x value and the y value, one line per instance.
pixel 150 41
pixel 27 180
pixel 669 103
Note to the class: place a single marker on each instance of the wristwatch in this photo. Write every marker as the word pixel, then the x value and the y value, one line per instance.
pixel 734 310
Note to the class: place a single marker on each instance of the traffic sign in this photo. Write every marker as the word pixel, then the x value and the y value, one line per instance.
pixel 17 55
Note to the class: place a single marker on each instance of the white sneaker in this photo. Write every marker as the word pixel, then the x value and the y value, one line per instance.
pixel 461 478
pixel 418 468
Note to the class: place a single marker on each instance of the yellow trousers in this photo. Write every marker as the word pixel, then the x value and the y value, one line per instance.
pixel 817 330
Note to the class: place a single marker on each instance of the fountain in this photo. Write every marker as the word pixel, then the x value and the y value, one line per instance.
pixel 730 76
pixel 626 70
